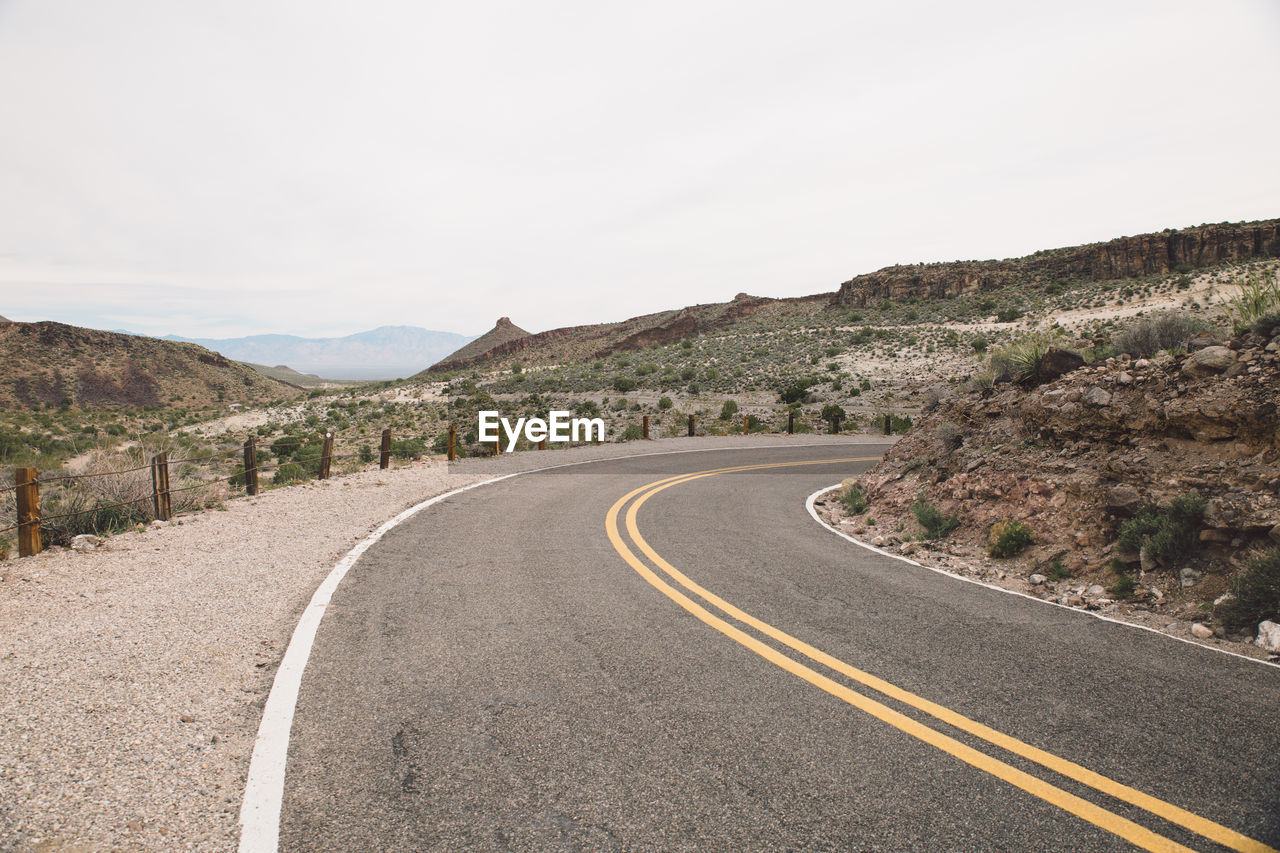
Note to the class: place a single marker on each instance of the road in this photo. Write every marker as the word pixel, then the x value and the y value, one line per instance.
pixel 570 660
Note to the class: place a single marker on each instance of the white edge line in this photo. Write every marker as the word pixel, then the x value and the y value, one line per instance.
pixel 812 499
pixel 264 787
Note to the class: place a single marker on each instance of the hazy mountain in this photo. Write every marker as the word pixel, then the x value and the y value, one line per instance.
pixel 387 352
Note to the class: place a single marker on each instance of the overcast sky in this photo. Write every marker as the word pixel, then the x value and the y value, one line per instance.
pixel 226 168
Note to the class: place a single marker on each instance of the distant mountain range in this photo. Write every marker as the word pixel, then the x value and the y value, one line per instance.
pixel 387 352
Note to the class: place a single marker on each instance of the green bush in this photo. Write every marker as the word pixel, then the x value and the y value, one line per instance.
pixel 1057 570
pixel 1008 538
pixel 1256 593
pixel 623 383
pixel 409 448
pixel 290 472
pixel 1009 314
pixel 1168 533
pixel 935 524
pixel 980 344
pixel 728 410
pixel 833 415
pixel 664 403
pixel 633 432
pixel 1124 586
pixel 854 499
pixel 366 453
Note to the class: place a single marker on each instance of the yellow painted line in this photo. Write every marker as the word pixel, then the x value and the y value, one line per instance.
pixel 1108 820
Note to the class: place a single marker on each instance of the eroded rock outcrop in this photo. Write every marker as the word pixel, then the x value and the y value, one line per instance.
pixel 1126 257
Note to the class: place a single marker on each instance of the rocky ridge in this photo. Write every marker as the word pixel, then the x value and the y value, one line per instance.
pixel 1076 457
pixel 1125 257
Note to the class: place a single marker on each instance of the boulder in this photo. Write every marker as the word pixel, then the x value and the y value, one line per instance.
pixel 1269 636
pixel 1055 363
pixel 86 542
pixel 1209 361
pixel 1123 500
pixel 1097 397
pixel 1201 630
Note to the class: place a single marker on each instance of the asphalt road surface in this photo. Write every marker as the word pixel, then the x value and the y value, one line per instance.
pixel 567 660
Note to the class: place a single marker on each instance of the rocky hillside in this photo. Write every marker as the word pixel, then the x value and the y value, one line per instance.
pixel 1127 257
pixel 1135 484
pixel 53 364
pixel 503 332
pixel 575 343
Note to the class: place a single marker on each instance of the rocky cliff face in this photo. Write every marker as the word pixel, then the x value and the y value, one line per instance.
pixel 1126 257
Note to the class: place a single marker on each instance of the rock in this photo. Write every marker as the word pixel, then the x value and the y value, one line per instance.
pixel 909 548
pixel 878 541
pixel 86 542
pixel 1200 340
pixel 1037 580
pixel 1212 535
pixel 1123 500
pixel 1201 630
pixel 1269 636
pixel 1223 599
pixel 1057 362
pixel 1274 534
pixel 1189 577
pixel 1237 369
pixel 1124 378
pixel 1209 361
pixel 1097 397
pixel 1147 562
pixel 1095 591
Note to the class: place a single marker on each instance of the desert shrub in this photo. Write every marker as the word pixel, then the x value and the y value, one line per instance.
pixel 1009 314
pixel 929 400
pixel 440 444
pixel 6 544
pixel 1057 570
pixel 286 445
pixel 1256 592
pixel 290 472
pixel 935 524
pixel 1008 538
pixel 833 415
pixel 854 499
pixel 1258 298
pixel 1168 533
pixel 664 403
pixel 728 410
pixel 1162 331
pixel 587 409
pixel 633 432
pixel 688 373
pixel 114 429
pixel 409 448
pixel 1123 586
pixel 365 453
pixel 948 437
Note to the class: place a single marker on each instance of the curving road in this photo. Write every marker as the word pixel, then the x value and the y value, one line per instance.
pixel 617 656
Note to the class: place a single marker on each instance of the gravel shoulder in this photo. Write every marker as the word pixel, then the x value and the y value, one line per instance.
pixel 134 675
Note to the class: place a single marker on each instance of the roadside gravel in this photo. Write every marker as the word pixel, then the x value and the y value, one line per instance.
pixel 132 677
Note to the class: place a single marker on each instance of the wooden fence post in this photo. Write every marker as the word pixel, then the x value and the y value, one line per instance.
pixel 542 445
pixel 326 456
pixel 251 467
pixel 746 424
pixel 691 426
pixel 888 424
pixel 384 452
pixel 28 499
pixel 497 447
pixel 160 485
pixel 791 422
pixel 453 442
pixel 835 426
pixel 646 427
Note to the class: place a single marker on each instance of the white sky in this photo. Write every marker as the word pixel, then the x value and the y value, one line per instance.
pixel 226 168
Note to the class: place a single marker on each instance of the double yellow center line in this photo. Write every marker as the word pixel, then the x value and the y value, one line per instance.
pixel 1095 814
